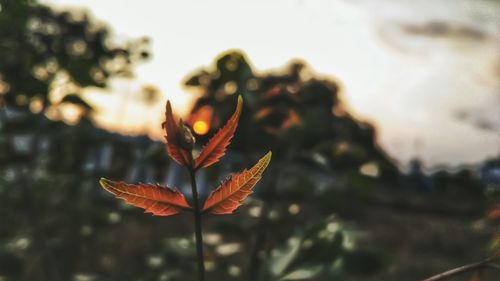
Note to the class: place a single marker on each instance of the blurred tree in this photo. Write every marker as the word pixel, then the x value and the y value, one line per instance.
pixel 291 111
pixel 46 166
pixel 47 57
pixel 44 51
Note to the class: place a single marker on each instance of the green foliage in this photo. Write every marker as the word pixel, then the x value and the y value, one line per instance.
pixel 40 45
pixel 320 250
pixel 45 164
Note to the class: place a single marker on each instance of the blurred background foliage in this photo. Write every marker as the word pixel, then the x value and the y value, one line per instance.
pixel 332 206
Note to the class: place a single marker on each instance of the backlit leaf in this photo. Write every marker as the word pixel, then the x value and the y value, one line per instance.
pixel 494 213
pixel 216 146
pixel 231 193
pixel 154 199
pixel 178 141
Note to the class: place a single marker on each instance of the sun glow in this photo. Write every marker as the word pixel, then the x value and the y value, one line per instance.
pixel 200 127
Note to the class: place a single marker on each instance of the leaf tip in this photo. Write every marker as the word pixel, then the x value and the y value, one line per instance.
pixel 239 105
pixel 168 113
pixel 267 157
pixel 103 182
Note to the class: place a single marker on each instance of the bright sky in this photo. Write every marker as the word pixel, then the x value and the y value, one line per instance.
pixel 410 85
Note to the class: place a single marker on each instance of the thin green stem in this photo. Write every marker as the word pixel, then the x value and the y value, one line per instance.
pixel 197 221
pixel 465 268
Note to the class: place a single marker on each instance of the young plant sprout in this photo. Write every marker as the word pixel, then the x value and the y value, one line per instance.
pixel 165 201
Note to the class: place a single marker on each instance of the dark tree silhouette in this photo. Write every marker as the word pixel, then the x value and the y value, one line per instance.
pixel 289 108
pixel 46 58
pixel 40 45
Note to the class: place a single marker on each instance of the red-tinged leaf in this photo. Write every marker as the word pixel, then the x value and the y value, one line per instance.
pixel 154 199
pixel 494 213
pixel 231 193
pixel 216 146
pixel 176 142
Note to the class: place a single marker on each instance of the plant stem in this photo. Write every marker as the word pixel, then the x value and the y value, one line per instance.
pixel 462 269
pixel 197 221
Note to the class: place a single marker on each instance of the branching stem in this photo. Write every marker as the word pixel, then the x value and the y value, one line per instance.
pixel 487 263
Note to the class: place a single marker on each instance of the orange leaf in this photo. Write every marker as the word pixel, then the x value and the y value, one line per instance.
pixel 231 193
pixel 216 146
pixel 176 141
pixel 494 213
pixel 155 199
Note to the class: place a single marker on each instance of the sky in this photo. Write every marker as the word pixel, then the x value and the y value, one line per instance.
pixel 426 73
